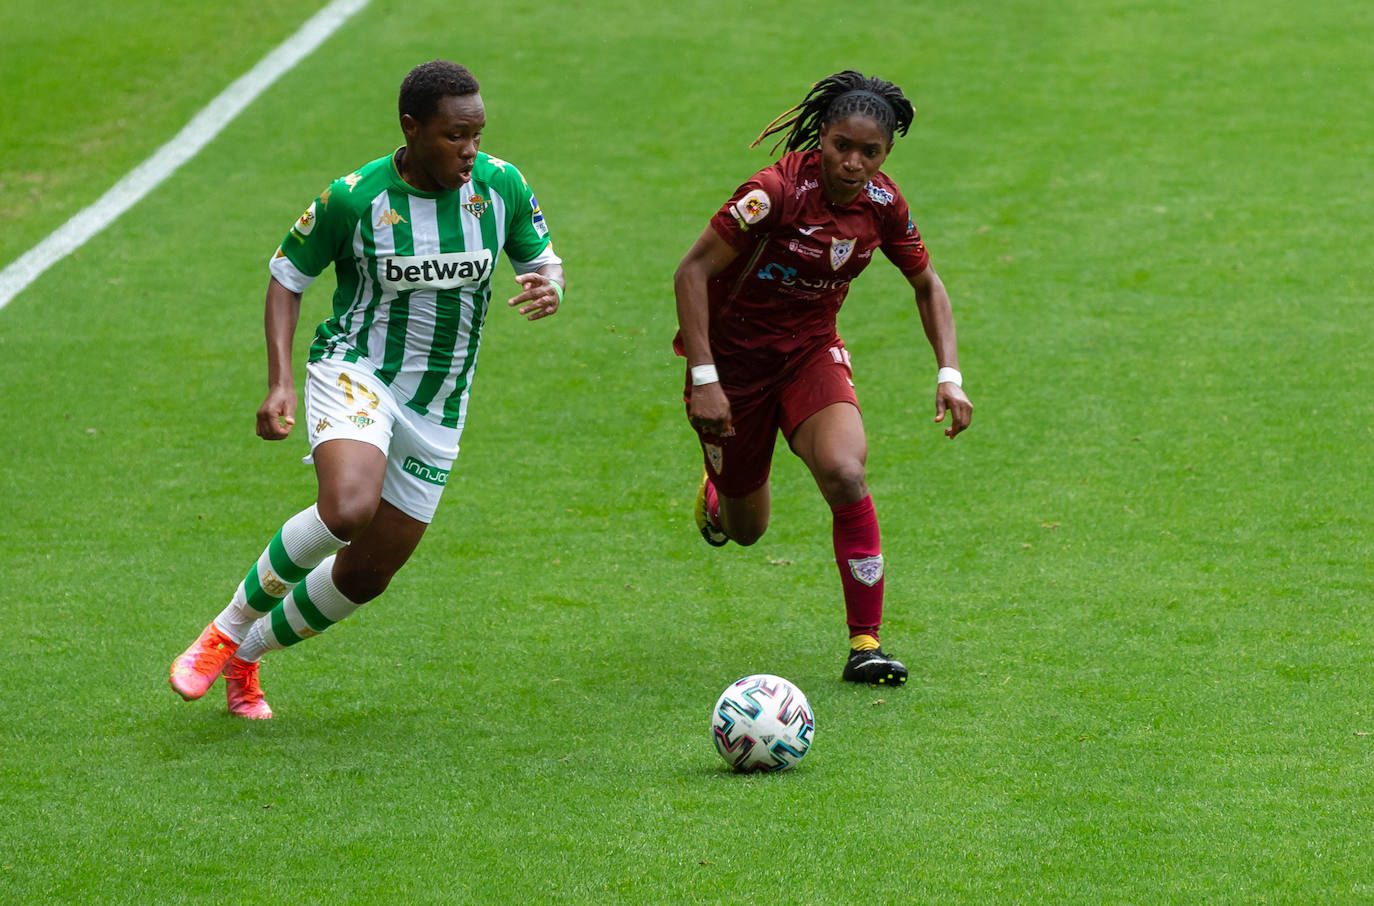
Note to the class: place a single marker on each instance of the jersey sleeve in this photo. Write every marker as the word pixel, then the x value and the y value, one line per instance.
pixel 754 210
pixel 527 233
pixel 901 241
pixel 313 243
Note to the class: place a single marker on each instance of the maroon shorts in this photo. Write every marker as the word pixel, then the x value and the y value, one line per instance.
pixel 739 463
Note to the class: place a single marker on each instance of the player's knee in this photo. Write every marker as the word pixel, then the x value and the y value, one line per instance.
pixel 361 585
pixel 347 517
pixel 746 535
pixel 843 481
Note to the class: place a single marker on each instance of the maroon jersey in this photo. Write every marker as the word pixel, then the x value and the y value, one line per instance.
pixel 798 253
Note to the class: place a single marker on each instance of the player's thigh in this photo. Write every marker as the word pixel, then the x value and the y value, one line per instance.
pixel 421 457
pixel 824 425
pixel 350 417
pixel 739 462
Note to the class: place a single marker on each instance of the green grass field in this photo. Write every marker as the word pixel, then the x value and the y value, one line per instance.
pixel 1134 595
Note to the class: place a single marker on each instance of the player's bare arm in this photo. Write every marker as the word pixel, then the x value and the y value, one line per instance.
pixel 708 408
pixel 282 310
pixel 542 291
pixel 937 318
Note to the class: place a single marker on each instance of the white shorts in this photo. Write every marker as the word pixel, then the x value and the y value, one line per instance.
pixel 345 401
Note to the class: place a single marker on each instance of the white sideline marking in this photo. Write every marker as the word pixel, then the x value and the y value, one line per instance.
pixel 194 136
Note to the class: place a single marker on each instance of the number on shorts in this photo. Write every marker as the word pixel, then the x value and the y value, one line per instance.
pixel 347 384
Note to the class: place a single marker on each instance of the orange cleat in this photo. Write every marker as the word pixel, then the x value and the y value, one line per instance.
pixel 245 695
pixel 194 672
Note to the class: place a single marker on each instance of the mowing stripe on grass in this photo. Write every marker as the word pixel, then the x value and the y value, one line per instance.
pixel 194 136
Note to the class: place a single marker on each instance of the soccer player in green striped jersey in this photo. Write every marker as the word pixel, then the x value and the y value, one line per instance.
pixel 413 238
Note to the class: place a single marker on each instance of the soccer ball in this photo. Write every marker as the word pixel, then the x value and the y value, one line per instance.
pixel 762 723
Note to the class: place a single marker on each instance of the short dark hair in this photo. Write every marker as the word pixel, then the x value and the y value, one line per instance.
pixel 426 84
pixel 832 99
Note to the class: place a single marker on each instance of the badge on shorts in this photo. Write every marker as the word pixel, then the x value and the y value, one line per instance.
pixel 717 457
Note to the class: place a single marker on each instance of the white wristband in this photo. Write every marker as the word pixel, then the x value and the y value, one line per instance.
pixel 949 376
pixel 704 374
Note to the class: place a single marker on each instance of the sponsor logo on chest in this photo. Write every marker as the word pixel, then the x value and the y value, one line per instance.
pixel 449 270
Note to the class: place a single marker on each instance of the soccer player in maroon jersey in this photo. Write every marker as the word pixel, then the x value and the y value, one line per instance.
pixel 757 295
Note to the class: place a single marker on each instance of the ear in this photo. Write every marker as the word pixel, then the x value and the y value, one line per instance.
pixel 410 126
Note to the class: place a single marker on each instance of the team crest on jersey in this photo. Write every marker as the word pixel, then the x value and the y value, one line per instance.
pixel 717 457
pixel 362 419
pixel 752 208
pixel 879 194
pixel 537 218
pixel 868 570
pixel 477 206
pixel 391 218
pixel 840 250
pixel 306 223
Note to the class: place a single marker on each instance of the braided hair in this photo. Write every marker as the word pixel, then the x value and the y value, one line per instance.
pixel 832 99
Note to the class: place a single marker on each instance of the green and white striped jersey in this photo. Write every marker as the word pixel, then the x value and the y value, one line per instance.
pixel 414 273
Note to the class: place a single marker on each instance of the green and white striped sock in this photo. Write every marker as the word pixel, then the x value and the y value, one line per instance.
pixel 297 548
pixel 312 607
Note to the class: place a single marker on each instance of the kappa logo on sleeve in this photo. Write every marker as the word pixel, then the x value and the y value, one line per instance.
pixel 752 208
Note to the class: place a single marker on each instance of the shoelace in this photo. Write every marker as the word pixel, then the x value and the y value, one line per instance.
pixel 247 678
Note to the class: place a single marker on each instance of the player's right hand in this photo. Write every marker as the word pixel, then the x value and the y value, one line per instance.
pixel 277 414
pixel 709 410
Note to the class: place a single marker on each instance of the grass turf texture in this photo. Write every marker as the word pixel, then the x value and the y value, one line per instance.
pixel 1134 595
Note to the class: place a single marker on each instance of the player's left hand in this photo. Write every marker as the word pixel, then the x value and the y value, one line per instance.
pixel 951 398
pixel 539 296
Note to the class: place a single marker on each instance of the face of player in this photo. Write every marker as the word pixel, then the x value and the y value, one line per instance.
pixel 852 151
pixel 440 151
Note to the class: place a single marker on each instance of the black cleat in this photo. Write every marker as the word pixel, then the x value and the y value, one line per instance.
pixel 873 667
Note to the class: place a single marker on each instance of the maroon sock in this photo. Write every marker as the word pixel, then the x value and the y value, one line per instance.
pixel 858 554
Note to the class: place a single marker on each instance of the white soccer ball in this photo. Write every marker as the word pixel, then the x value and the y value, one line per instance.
pixel 762 723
